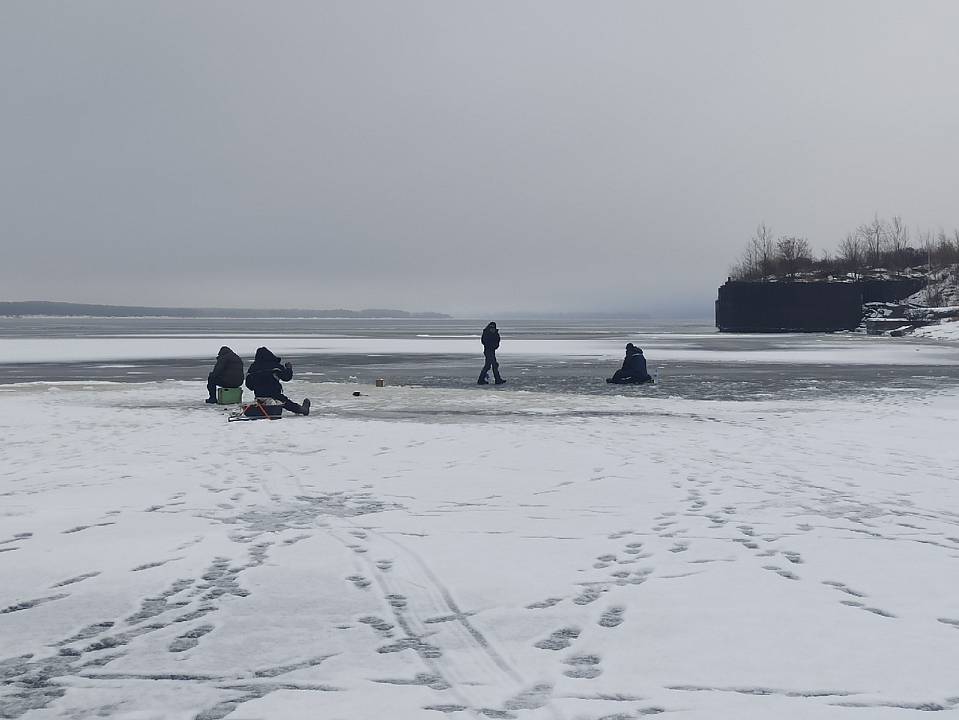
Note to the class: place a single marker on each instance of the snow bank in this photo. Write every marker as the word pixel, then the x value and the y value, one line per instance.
pixel 419 553
pixel 944 331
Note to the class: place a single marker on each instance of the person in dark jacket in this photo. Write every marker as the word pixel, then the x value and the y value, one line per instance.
pixel 264 376
pixel 490 345
pixel 634 368
pixel 227 373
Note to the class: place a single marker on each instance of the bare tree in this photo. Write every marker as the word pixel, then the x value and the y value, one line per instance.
pixel 925 242
pixel 897 235
pixel 948 249
pixel 826 260
pixel 873 234
pixel 746 268
pixel 955 270
pixel 852 254
pixel 944 252
pixel 876 244
pixel 793 254
pixel 763 249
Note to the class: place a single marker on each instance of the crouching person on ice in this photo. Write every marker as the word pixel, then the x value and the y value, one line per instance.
pixel 264 376
pixel 634 370
pixel 227 373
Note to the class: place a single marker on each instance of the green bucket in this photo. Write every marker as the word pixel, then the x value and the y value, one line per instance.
pixel 229 396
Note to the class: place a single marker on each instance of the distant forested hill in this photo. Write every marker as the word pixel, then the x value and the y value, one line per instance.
pixel 65 309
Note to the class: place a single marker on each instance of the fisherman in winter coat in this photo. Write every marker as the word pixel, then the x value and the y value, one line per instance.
pixel 490 345
pixel 264 376
pixel 634 368
pixel 227 373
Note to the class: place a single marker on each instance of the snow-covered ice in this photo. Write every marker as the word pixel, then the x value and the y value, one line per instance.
pixel 418 553
pixel 946 330
pixel 836 349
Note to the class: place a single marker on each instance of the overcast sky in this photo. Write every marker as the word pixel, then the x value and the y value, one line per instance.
pixel 457 156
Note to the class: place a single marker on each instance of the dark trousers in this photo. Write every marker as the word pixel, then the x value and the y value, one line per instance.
pixel 491 363
pixel 212 384
pixel 288 404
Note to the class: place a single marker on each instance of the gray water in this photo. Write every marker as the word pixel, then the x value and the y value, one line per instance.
pixel 694 380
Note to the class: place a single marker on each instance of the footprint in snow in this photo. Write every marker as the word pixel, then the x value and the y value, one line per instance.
pixel 189 639
pixel 535 697
pixel 434 682
pixel 558 639
pixel 359 581
pixel 613 617
pixel 590 594
pixel 842 587
pixel 17 537
pixel 397 601
pixel 542 604
pixel 78 578
pixel 863 606
pixel 583 667
pixel 379 624
pixel 27 604
pixel 782 573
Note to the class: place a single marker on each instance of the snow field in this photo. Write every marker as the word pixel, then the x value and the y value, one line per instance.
pixel 467 554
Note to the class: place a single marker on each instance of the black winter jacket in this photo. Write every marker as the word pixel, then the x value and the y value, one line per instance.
pixel 635 364
pixel 228 371
pixel 264 375
pixel 490 338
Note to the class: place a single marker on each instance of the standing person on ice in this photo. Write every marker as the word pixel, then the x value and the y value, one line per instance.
pixel 264 376
pixel 634 368
pixel 227 373
pixel 490 344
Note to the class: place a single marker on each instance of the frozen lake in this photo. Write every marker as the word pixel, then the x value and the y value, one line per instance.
pixel 569 356
pixel 772 532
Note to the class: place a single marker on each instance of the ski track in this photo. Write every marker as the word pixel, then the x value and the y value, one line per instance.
pixel 472 578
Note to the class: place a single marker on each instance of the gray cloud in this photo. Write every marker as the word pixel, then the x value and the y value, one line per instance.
pixel 456 156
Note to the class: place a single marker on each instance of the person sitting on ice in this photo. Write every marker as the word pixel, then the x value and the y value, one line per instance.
pixel 227 373
pixel 634 370
pixel 264 376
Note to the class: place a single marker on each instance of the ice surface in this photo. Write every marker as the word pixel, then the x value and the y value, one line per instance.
pixel 836 349
pixel 418 553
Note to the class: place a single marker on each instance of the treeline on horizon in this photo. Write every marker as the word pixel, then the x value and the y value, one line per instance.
pixel 65 309
pixel 878 245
